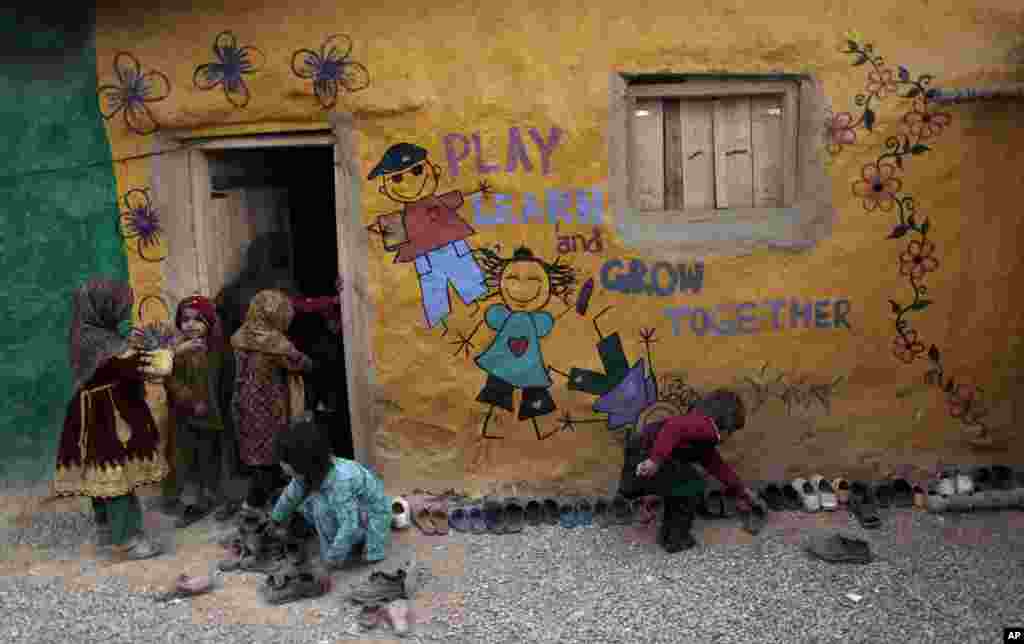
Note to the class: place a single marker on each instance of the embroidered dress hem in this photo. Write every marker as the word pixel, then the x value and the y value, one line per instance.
pixel 109 480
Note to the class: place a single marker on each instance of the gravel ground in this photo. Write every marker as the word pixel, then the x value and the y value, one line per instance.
pixel 949 578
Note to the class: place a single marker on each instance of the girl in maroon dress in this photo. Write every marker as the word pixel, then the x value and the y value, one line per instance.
pixel 269 391
pixel 110 443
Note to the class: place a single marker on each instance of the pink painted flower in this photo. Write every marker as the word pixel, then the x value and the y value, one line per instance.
pixel 841 132
pixel 881 82
pixel 906 347
pixel 961 400
pixel 917 259
pixel 924 124
pixel 878 187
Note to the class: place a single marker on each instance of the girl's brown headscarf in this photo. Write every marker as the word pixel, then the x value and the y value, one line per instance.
pixel 270 314
pixel 100 307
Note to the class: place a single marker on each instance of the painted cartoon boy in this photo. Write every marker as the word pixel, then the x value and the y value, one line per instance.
pixel 430 232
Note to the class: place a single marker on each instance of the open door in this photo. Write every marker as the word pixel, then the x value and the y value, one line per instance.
pixel 172 199
pixel 234 219
pixel 356 305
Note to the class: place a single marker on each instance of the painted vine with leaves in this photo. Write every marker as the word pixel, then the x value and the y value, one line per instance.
pixel 880 189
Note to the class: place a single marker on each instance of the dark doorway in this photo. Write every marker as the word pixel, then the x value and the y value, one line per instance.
pixel 301 257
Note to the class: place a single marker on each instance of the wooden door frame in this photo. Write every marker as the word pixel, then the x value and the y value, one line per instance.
pixel 352 255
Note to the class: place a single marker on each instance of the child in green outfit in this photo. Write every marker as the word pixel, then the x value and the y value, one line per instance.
pixel 196 395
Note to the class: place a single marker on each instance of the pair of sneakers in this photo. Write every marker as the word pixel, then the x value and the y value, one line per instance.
pixel 816 494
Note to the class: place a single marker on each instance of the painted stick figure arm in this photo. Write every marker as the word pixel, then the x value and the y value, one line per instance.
pixel 483 188
pixel 465 343
pixel 569 423
pixel 569 306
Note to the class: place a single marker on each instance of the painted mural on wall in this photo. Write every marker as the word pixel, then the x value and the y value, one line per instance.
pixel 428 230
pixel 579 243
pixel 158 332
pixel 795 392
pixel 880 188
pixel 526 285
pixel 748 318
pixel 330 68
pixel 624 393
pixel 661 278
pixel 228 72
pixel 131 93
pixel 141 221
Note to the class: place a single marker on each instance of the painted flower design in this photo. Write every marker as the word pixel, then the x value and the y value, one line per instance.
pixel 878 187
pixel 140 221
pixel 962 402
pixel 131 93
pixel 918 259
pixel 926 125
pixel 881 83
pixel 233 64
pixel 906 347
pixel 840 131
pixel 330 68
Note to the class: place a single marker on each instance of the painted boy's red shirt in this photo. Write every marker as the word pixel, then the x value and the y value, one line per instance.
pixel 678 431
pixel 432 222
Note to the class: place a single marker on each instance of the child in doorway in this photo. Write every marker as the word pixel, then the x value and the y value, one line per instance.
pixel 110 444
pixel 195 393
pixel 662 454
pixel 341 499
pixel 269 392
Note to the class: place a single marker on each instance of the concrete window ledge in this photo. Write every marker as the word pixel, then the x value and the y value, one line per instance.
pixel 725 232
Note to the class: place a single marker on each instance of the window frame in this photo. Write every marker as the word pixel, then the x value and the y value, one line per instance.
pixel 685 88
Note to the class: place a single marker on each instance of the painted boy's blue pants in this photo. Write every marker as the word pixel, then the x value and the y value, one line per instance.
pixel 452 263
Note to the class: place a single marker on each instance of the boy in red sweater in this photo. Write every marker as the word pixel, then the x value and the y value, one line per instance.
pixel 659 461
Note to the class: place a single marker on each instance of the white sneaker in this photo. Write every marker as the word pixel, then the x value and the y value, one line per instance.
pixel 826 494
pixel 400 513
pixel 964 484
pixel 809 496
pixel 946 486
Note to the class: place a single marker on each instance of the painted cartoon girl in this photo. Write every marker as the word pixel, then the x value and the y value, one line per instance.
pixel 514 360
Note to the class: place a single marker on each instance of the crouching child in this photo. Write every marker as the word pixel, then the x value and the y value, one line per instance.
pixel 660 461
pixel 341 500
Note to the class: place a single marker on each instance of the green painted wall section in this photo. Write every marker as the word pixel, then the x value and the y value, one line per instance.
pixel 58 226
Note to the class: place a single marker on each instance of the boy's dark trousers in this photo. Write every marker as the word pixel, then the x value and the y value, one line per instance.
pixel 675 531
pixel 200 469
pixel 677 481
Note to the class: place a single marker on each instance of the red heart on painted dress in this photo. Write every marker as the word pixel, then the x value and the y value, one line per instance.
pixel 518 346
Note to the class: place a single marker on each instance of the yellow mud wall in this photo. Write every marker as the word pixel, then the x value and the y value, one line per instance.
pixel 465 68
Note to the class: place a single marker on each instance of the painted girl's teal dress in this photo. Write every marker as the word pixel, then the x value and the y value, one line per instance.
pixel 350 507
pixel 515 355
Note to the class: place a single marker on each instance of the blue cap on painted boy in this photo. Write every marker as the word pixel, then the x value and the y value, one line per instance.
pixel 397 158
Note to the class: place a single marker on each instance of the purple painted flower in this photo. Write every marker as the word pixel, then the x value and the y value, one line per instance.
pixel 233 63
pixel 140 221
pixel 131 93
pixel 329 68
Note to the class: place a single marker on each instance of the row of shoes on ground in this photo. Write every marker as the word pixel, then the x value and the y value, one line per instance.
pixel 512 515
pixel 984 488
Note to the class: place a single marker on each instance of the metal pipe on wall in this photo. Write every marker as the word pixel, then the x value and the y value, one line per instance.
pixel 970 94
